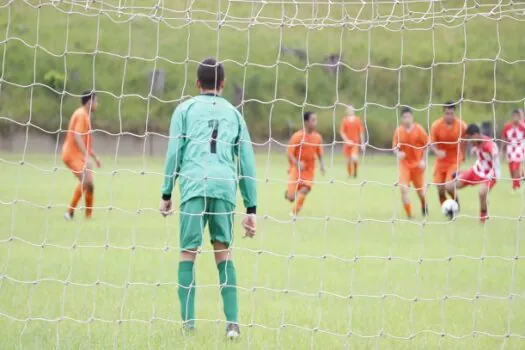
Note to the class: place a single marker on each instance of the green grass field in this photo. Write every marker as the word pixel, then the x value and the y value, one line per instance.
pixel 345 274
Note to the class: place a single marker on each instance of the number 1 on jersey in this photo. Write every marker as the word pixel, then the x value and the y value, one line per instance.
pixel 214 124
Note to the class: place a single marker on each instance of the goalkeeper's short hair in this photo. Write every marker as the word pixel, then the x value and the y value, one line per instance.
pixel 210 74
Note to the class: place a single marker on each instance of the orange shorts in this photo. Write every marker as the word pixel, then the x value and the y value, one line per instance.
pixel 299 180
pixel 444 172
pixel 415 176
pixel 77 165
pixel 351 151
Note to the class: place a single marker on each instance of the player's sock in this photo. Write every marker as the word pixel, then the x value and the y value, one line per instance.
pixel 76 198
pixel 483 215
pixel 350 168
pixel 515 184
pixel 89 202
pixel 355 169
pixel 228 281
pixel 424 207
pixel 299 201
pixel 187 293
pixel 408 209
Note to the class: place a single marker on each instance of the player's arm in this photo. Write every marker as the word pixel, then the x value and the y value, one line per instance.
pixel 440 154
pixel 320 153
pixel 343 133
pixel 395 145
pixel 94 155
pixel 425 140
pixel 247 176
pixel 173 159
pixel 495 160
pixel 293 144
pixel 463 142
pixel 79 129
pixel 504 141
pixel 362 136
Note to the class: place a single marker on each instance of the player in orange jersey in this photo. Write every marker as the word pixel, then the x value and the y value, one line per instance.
pixel 353 134
pixel 409 143
pixel 446 135
pixel 304 147
pixel 77 151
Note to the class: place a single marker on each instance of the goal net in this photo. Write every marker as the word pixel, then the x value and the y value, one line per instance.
pixel 350 270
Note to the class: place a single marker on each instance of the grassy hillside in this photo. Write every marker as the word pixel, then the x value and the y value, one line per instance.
pixel 414 54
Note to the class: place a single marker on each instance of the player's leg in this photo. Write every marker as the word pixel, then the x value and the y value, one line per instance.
pixel 77 167
pixel 418 180
pixel 303 190
pixel 404 184
pixel 354 158
pixel 440 178
pixel 77 195
pixel 193 218
pixel 347 153
pixel 451 176
pixel 221 232
pixel 89 189
pixel 484 189
pixel 459 181
pixel 515 173
pixel 483 203
pixel 293 181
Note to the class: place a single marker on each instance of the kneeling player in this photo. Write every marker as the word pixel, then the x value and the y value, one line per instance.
pixel 484 172
pixel 409 143
pixel 303 149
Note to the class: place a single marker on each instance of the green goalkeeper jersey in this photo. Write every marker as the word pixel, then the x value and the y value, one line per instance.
pixel 210 151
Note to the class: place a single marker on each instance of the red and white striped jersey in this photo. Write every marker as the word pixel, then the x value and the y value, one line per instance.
pixel 487 164
pixel 514 136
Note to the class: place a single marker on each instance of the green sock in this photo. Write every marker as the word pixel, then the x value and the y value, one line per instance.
pixel 187 293
pixel 228 282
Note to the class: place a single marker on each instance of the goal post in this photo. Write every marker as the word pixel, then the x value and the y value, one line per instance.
pixel 349 270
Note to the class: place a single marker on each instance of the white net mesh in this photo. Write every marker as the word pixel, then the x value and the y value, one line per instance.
pixel 350 270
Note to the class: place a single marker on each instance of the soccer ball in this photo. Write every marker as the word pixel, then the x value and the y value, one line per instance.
pixel 450 208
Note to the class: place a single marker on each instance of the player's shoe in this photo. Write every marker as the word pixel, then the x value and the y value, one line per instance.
pixel 188 329
pixel 68 216
pixel 232 331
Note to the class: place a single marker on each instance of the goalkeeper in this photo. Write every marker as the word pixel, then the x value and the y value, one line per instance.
pixel 210 151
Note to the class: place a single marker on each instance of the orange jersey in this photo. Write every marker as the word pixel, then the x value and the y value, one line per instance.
pixel 306 148
pixel 447 138
pixel 352 128
pixel 79 124
pixel 411 142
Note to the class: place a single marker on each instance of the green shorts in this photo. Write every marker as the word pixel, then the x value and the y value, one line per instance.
pixel 195 213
